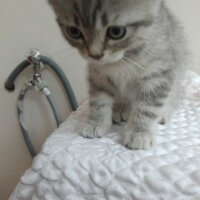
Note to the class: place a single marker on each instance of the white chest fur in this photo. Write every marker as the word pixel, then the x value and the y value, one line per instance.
pixel 123 77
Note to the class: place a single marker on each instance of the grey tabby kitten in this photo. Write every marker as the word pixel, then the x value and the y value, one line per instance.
pixel 136 55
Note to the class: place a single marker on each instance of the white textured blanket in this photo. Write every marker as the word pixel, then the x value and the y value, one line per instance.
pixel 71 167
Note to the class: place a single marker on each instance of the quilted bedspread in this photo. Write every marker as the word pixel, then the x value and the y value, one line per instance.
pixel 71 167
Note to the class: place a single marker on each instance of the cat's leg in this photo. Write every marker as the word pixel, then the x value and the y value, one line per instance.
pixel 146 112
pixel 172 103
pixel 121 112
pixel 99 117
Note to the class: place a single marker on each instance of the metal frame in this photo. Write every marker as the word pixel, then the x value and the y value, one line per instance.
pixel 37 61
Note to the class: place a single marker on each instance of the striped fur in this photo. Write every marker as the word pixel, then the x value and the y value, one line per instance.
pixel 136 78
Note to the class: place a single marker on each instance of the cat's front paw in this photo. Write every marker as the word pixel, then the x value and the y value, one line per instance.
pixel 142 140
pixel 92 130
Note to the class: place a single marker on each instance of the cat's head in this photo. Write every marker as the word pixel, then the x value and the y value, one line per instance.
pixel 104 30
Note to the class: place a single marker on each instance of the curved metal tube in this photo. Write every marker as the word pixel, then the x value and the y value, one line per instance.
pixel 9 85
pixel 34 59
pixel 53 105
pixel 63 79
pixel 20 100
pixel 20 111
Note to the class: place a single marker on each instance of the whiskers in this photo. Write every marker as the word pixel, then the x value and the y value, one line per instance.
pixel 128 60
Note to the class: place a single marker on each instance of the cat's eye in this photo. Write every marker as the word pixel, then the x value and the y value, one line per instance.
pixel 74 32
pixel 116 32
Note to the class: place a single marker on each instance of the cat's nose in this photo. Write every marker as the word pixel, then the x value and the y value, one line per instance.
pixel 96 56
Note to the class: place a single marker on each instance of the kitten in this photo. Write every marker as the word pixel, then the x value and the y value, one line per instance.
pixel 137 58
